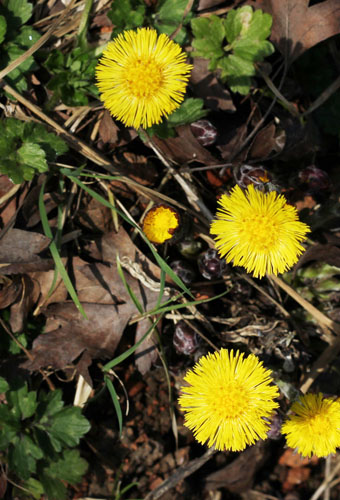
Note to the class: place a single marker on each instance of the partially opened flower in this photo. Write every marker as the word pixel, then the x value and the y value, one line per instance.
pixel 314 426
pixel 161 223
pixel 258 231
pixel 142 77
pixel 229 400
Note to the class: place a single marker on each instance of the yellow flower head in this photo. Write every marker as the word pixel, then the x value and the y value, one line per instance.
pixel 258 231
pixel 314 428
pixel 229 400
pixel 142 77
pixel 160 223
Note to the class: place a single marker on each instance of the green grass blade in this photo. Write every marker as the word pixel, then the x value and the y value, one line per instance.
pixel 127 286
pixel 126 354
pixel 116 404
pixel 55 254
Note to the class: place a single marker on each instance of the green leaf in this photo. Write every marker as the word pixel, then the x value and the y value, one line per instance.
pixel 3 28
pixel 20 9
pixel 3 385
pixel 52 144
pixel 68 426
pixel 238 73
pixel 209 34
pixel 32 155
pixel 27 37
pixel 23 401
pixel 49 404
pixel 21 463
pixel 170 16
pixel 190 110
pixel 70 467
pixel 126 14
pixel 35 488
pixel 253 50
pixel 54 489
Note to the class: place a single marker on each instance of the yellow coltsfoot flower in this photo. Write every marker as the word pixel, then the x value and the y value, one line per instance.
pixel 142 77
pixel 160 223
pixel 229 400
pixel 314 426
pixel 258 231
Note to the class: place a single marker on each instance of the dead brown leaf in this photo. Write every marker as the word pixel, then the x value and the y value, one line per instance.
pixel 321 252
pixel 267 140
pixel 72 340
pixel 238 476
pixel 19 252
pixel 206 86
pixel 184 148
pixel 298 27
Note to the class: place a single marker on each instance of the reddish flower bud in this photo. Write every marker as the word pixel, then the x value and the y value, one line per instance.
pixel 210 265
pixel 204 131
pixel 185 339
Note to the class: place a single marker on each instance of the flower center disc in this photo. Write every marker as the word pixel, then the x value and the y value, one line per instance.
pixel 261 231
pixel 144 78
pixel 319 425
pixel 229 400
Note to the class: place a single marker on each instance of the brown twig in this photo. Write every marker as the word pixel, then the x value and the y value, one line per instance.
pixel 179 474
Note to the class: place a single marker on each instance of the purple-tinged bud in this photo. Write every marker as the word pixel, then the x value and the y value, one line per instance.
pixel 185 339
pixel 315 179
pixel 248 174
pixel 205 132
pixel 210 265
pixel 184 271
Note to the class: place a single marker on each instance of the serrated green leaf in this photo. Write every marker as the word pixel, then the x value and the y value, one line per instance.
pixel 209 34
pixel 12 128
pixel 22 401
pixel 233 22
pixel 27 37
pixel 68 426
pixel 21 9
pixel 190 110
pixel 70 467
pixel 3 28
pixel 3 385
pixel 34 156
pixel 253 50
pixel 13 51
pixel 259 27
pixel 126 14
pixel 238 73
pixel 52 144
pixel 35 488
pixel 49 404
pixel 22 464
pixel 54 489
pixel 31 448
pixel 171 12
pixel 27 403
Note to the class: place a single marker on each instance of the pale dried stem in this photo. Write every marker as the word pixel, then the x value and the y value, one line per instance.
pixel 326 482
